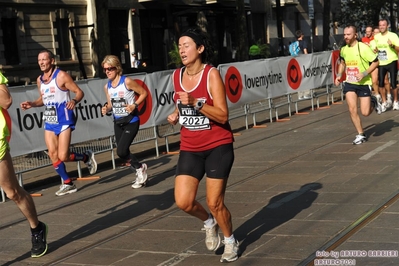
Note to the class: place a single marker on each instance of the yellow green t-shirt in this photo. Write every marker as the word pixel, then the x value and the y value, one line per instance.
pixel 372 44
pixel 4 117
pixel 357 60
pixel 386 54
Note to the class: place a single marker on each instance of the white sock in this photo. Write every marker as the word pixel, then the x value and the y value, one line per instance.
pixel 230 239
pixel 210 222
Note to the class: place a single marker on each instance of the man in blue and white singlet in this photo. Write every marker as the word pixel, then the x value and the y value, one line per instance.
pixel 54 87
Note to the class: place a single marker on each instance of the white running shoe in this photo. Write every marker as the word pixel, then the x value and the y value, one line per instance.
pixel 91 162
pixel 383 107
pixel 141 176
pixel 378 96
pixel 389 100
pixel 377 105
pixel 359 139
pixel 212 238
pixel 230 251
pixel 395 105
pixel 66 189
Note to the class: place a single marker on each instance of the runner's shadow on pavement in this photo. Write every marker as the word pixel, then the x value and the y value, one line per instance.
pixel 280 209
pixel 117 214
pixel 381 128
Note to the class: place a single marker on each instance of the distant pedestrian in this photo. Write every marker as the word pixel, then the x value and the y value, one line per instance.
pixel 368 37
pixel 298 47
pixel 54 87
pixel 206 145
pixel 121 94
pixel 358 61
pixel 8 178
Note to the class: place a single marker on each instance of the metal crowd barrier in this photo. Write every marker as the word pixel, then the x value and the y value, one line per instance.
pixel 281 101
pixel 241 111
pixel 37 160
pixel 260 106
pixel 167 130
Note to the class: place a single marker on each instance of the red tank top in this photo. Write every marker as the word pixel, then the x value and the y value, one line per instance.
pixel 199 133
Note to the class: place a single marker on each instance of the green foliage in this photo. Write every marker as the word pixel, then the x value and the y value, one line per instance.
pixel 264 49
pixel 174 56
pixel 361 13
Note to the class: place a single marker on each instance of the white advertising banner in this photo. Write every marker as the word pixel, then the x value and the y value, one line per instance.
pixel 163 91
pixel 307 72
pixel 245 81
pixel 250 81
pixel 27 126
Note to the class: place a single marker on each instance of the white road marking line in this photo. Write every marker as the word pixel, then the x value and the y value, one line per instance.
pixel 177 259
pixel 375 151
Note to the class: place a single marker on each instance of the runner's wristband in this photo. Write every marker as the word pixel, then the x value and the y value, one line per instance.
pixel 365 73
pixel 76 101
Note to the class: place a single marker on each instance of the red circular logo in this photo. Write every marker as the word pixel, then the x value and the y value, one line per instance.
pixel 145 109
pixel 233 84
pixel 294 74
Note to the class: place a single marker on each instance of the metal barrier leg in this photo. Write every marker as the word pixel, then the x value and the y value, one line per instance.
pixel 79 170
pixel 167 144
pixel 246 111
pixel 20 180
pixel 254 119
pixel 3 195
pixel 112 152
pixel 156 147
pixel 156 141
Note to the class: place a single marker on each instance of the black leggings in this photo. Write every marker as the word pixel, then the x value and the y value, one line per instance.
pixel 216 162
pixel 392 69
pixel 124 137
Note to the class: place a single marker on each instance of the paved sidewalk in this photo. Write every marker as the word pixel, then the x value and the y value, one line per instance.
pixel 295 186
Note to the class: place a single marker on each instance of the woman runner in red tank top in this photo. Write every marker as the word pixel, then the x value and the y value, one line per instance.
pixel 206 146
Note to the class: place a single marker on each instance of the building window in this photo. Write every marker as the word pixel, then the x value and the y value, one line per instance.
pixel 64 45
pixel 9 28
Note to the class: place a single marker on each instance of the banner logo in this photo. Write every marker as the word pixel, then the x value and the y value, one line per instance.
pixel 336 62
pixel 233 84
pixel 294 74
pixel 145 109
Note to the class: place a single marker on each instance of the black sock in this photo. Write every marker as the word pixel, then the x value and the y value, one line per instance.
pixel 38 228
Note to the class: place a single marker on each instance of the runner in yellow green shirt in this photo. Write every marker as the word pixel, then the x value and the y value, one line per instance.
pixel 358 61
pixel 374 74
pixel 387 46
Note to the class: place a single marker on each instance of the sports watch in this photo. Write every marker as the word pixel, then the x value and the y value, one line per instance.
pixel 198 105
